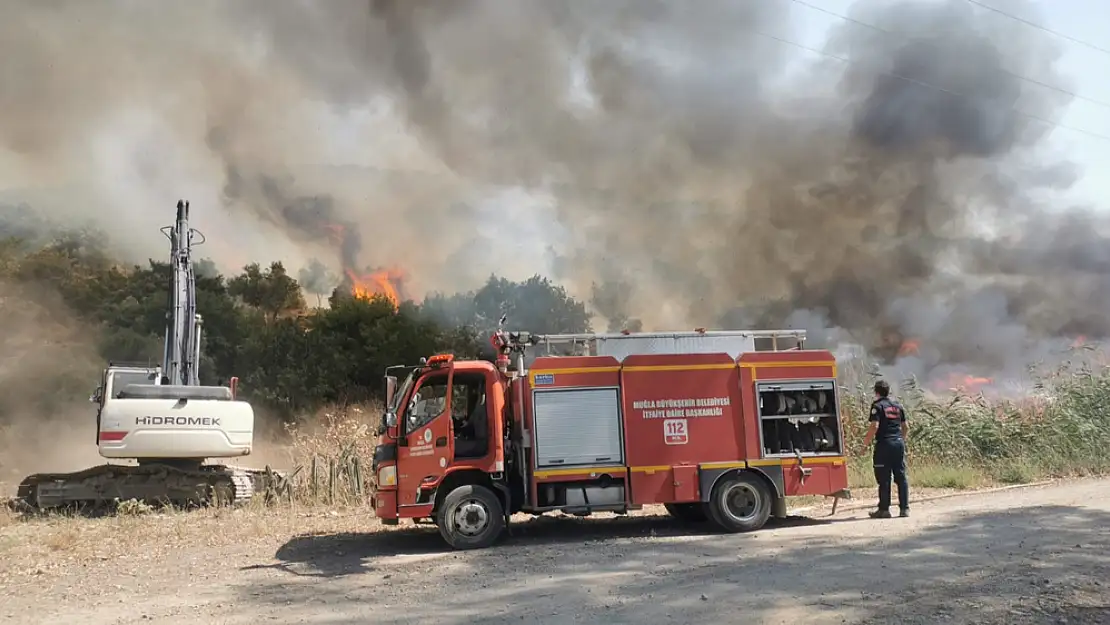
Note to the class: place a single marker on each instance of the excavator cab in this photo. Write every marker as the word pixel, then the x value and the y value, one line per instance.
pixel 115 378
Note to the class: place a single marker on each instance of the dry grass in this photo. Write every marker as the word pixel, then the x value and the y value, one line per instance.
pixel 40 549
pixel 8 518
pixel 52 544
pixel 48 545
pixel 339 442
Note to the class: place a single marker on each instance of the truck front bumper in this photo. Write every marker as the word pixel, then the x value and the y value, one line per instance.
pixel 385 506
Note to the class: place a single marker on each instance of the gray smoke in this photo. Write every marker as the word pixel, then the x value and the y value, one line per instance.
pixel 699 174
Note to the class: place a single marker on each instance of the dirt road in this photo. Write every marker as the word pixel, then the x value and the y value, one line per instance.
pixel 1038 555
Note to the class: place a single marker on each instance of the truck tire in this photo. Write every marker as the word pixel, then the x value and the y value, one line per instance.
pixel 740 503
pixel 471 517
pixel 687 512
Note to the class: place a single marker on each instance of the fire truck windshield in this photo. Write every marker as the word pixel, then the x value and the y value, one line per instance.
pixel 389 417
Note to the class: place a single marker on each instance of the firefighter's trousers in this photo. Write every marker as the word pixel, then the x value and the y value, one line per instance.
pixel 890 461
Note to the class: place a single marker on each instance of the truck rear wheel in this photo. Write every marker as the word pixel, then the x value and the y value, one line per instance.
pixel 687 512
pixel 471 517
pixel 740 503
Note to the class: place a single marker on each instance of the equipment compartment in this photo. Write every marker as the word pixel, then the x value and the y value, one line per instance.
pixel 582 496
pixel 575 427
pixel 799 417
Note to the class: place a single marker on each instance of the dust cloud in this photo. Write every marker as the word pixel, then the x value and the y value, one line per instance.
pixel 49 357
pixel 700 170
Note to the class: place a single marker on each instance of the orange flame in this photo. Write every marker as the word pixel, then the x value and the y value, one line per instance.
pixel 975 382
pixel 1079 341
pixel 909 347
pixel 384 283
pixel 965 383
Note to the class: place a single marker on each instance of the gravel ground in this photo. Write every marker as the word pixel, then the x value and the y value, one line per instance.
pixel 1034 555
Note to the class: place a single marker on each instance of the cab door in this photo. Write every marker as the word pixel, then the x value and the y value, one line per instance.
pixel 427 443
pixel 97 398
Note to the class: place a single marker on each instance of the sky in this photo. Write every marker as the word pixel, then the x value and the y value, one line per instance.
pixel 1084 20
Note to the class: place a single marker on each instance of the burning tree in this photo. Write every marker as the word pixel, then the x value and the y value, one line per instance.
pixel 386 283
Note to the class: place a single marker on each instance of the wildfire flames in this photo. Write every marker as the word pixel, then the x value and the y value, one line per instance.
pixel 964 383
pixel 385 283
pixel 909 347
pixel 363 285
pixel 954 382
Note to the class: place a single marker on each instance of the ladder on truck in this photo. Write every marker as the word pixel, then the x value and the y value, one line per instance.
pixel 621 344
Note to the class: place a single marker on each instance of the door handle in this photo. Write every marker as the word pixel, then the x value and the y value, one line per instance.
pixel 441 441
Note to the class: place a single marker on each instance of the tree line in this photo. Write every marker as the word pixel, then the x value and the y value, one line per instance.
pixel 291 356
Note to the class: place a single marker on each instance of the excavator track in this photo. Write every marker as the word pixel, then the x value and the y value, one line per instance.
pixel 153 484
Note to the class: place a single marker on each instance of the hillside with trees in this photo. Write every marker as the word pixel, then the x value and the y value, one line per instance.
pixel 292 354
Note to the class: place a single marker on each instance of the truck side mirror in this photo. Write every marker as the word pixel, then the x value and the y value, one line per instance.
pixel 97 394
pixel 390 389
pixel 391 426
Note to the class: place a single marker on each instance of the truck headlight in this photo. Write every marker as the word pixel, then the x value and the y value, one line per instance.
pixel 387 476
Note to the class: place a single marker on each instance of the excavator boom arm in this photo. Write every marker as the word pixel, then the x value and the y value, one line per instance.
pixel 181 358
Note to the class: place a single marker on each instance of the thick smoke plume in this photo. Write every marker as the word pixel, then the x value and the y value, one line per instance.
pixel 699 170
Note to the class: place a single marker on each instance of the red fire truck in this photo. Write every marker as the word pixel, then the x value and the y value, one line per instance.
pixel 719 427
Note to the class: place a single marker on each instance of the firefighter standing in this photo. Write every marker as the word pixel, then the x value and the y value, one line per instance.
pixel 888 429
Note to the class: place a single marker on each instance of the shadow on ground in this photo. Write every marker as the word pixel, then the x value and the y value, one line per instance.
pixel 1031 565
pixel 332 555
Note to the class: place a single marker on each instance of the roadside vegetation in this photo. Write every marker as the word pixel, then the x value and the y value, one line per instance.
pixel 325 361
pixel 292 358
pixel 967 440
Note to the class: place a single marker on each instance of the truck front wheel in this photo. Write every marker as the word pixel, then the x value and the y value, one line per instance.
pixel 471 517
pixel 740 503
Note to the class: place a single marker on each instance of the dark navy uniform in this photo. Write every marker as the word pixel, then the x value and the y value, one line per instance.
pixel 890 452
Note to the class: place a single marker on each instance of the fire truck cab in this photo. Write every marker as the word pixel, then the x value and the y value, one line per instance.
pixel 718 427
